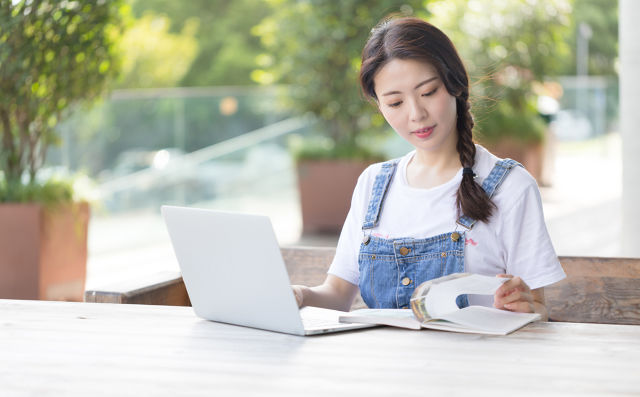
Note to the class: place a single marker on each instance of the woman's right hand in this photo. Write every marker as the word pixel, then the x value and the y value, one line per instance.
pixel 297 292
pixel 335 293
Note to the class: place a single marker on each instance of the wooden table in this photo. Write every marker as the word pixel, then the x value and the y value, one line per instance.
pixel 91 349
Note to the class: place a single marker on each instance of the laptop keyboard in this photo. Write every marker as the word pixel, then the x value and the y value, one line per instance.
pixel 313 317
pixel 319 322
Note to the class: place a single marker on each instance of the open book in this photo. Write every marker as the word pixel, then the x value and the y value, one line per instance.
pixel 433 305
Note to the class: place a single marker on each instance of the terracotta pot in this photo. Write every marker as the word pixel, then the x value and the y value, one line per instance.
pixel 43 253
pixel 326 187
pixel 530 155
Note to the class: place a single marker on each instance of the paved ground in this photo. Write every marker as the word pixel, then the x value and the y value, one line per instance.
pixel 582 209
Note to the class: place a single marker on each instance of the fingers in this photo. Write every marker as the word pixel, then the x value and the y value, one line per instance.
pixel 513 295
pixel 520 306
pixel 297 292
pixel 515 283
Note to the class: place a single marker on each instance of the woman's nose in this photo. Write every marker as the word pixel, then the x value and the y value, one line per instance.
pixel 418 112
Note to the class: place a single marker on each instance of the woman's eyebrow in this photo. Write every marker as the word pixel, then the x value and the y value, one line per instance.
pixel 415 88
pixel 425 82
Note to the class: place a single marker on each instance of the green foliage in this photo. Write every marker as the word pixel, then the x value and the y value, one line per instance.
pixel 53 55
pixel 602 18
pixel 152 56
pixel 321 147
pixel 503 119
pixel 508 47
pixel 315 46
pixel 50 193
pixel 226 51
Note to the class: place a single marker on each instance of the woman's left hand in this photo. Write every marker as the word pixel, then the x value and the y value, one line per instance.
pixel 514 295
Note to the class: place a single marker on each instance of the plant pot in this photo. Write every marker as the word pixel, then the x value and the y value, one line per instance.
pixel 43 252
pixel 531 155
pixel 326 187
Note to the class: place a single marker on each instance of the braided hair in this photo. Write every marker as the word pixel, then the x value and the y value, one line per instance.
pixel 414 38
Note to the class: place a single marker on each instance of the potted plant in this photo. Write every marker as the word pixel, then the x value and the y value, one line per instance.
pixel 315 48
pixel 54 56
pixel 509 48
pixel 510 125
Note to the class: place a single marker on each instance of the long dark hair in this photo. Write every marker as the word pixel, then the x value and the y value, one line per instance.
pixel 413 38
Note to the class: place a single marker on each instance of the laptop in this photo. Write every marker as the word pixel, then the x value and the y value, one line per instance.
pixel 234 273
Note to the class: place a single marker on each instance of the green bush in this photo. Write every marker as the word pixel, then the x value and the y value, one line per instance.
pixel 50 193
pixel 54 57
pixel 315 47
pixel 507 46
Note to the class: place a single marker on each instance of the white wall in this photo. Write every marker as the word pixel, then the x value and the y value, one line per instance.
pixel 629 36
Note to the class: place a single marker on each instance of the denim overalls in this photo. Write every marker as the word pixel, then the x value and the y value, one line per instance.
pixel 390 269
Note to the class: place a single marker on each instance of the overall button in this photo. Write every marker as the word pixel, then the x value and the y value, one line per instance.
pixel 455 236
pixel 406 281
pixel 366 240
pixel 404 251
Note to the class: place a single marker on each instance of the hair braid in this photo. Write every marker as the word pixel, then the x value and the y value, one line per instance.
pixel 471 199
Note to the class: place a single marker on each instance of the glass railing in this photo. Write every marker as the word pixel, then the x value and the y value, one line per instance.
pixel 216 148
pixel 121 135
pixel 588 107
pixel 255 164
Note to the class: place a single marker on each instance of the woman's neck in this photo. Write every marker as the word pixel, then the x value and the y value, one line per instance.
pixel 428 169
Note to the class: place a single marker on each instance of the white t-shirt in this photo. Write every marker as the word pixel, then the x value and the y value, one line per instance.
pixel 515 241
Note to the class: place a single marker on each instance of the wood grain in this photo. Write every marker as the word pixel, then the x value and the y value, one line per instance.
pixel 88 349
pixel 162 288
pixel 596 290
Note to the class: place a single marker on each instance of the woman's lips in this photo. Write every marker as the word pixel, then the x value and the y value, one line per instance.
pixel 424 132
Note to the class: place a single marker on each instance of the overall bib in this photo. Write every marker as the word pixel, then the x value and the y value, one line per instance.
pixel 390 269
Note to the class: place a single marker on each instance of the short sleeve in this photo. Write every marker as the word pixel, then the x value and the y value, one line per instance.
pixel 345 263
pixel 529 251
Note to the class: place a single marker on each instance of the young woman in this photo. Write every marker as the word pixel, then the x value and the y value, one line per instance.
pixel 448 206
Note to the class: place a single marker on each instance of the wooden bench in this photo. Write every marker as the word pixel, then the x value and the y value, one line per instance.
pixel 596 290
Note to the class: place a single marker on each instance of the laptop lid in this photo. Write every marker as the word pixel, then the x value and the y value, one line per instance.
pixel 233 269
pixel 234 273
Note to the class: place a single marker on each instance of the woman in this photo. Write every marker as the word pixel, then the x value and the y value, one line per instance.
pixel 448 206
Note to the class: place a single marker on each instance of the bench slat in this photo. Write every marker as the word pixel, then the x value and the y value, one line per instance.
pixel 596 290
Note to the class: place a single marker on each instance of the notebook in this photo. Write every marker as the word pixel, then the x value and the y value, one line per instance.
pixel 234 273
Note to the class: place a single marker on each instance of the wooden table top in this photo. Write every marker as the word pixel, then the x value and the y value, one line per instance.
pixel 93 349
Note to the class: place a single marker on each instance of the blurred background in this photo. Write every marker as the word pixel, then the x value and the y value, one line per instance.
pixel 228 104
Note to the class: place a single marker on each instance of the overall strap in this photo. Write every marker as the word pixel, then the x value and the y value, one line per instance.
pixel 490 184
pixel 379 191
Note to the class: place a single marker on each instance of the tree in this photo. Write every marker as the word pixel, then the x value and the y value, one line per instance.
pixel 315 46
pixel 226 50
pixel 54 55
pixel 152 56
pixel 508 47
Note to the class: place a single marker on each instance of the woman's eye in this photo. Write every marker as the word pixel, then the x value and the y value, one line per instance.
pixel 430 92
pixel 395 104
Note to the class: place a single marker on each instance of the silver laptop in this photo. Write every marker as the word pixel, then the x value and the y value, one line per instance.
pixel 234 273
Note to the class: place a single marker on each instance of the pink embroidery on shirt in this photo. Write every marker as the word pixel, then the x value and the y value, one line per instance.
pixel 379 235
pixel 470 241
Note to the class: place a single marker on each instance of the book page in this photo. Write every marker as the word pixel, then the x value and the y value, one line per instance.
pixel 442 297
pixel 417 301
pixel 486 319
pixel 395 317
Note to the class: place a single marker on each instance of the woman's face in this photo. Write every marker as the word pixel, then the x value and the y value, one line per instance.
pixel 417 105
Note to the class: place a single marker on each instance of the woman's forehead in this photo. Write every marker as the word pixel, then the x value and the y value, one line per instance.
pixel 401 74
